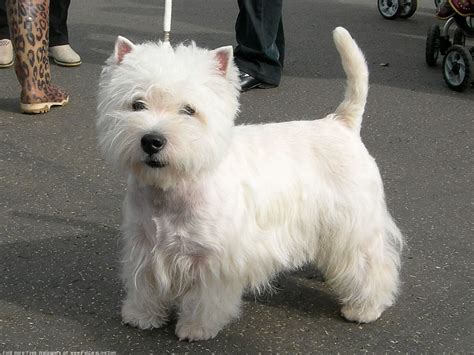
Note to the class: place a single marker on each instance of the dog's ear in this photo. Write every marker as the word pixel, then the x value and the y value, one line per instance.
pixel 122 47
pixel 223 56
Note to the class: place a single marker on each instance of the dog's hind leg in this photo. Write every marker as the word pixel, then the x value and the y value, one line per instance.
pixel 365 275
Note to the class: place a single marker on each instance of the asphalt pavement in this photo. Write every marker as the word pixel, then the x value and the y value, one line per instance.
pixel 60 202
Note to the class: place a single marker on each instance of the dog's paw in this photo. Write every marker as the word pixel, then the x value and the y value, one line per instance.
pixel 141 320
pixel 358 315
pixel 194 332
pixel 145 322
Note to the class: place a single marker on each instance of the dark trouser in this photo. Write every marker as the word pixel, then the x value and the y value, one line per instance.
pixel 57 22
pixel 260 49
pixel 4 32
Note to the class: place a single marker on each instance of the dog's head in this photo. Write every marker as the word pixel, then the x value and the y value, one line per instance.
pixel 166 114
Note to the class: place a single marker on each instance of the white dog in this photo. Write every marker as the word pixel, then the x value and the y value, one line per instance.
pixel 213 209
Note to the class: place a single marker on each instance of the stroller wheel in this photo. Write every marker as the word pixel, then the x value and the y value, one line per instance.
pixel 408 8
pixel 389 9
pixel 432 45
pixel 457 68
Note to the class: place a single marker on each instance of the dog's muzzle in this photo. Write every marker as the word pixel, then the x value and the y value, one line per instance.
pixel 153 143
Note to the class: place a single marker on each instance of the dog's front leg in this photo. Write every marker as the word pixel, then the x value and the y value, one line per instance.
pixel 144 312
pixel 145 305
pixel 207 307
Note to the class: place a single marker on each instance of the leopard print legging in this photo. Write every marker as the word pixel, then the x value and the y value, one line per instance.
pixel 28 21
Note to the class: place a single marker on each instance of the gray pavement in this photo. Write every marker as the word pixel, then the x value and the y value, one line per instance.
pixel 60 203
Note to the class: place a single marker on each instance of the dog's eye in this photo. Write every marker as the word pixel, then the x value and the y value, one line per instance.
pixel 187 110
pixel 138 105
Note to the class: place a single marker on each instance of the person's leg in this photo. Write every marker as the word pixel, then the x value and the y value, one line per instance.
pixel 58 34
pixel 259 34
pixel 28 23
pixel 59 48
pixel 4 31
pixel 280 43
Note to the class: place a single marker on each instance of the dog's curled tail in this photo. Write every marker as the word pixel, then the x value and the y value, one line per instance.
pixel 352 108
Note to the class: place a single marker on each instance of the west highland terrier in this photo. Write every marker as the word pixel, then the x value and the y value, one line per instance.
pixel 213 209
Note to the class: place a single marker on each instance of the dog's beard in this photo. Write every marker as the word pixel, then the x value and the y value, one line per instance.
pixel 153 173
pixel 161 171
pixel 155 162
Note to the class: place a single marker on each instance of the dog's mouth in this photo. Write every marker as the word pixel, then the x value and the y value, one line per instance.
pixel 152 163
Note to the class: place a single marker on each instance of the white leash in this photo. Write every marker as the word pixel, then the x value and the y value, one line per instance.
pixel 167 21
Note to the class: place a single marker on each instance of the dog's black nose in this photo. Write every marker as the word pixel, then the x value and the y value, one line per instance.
pixel 153 143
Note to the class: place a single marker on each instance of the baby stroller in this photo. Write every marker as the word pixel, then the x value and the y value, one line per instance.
pixel 458 68
pixel 392 9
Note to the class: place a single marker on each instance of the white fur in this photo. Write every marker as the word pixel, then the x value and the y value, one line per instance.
pixel 237 205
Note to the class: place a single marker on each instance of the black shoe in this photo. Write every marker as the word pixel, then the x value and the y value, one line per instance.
pixel 248 82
